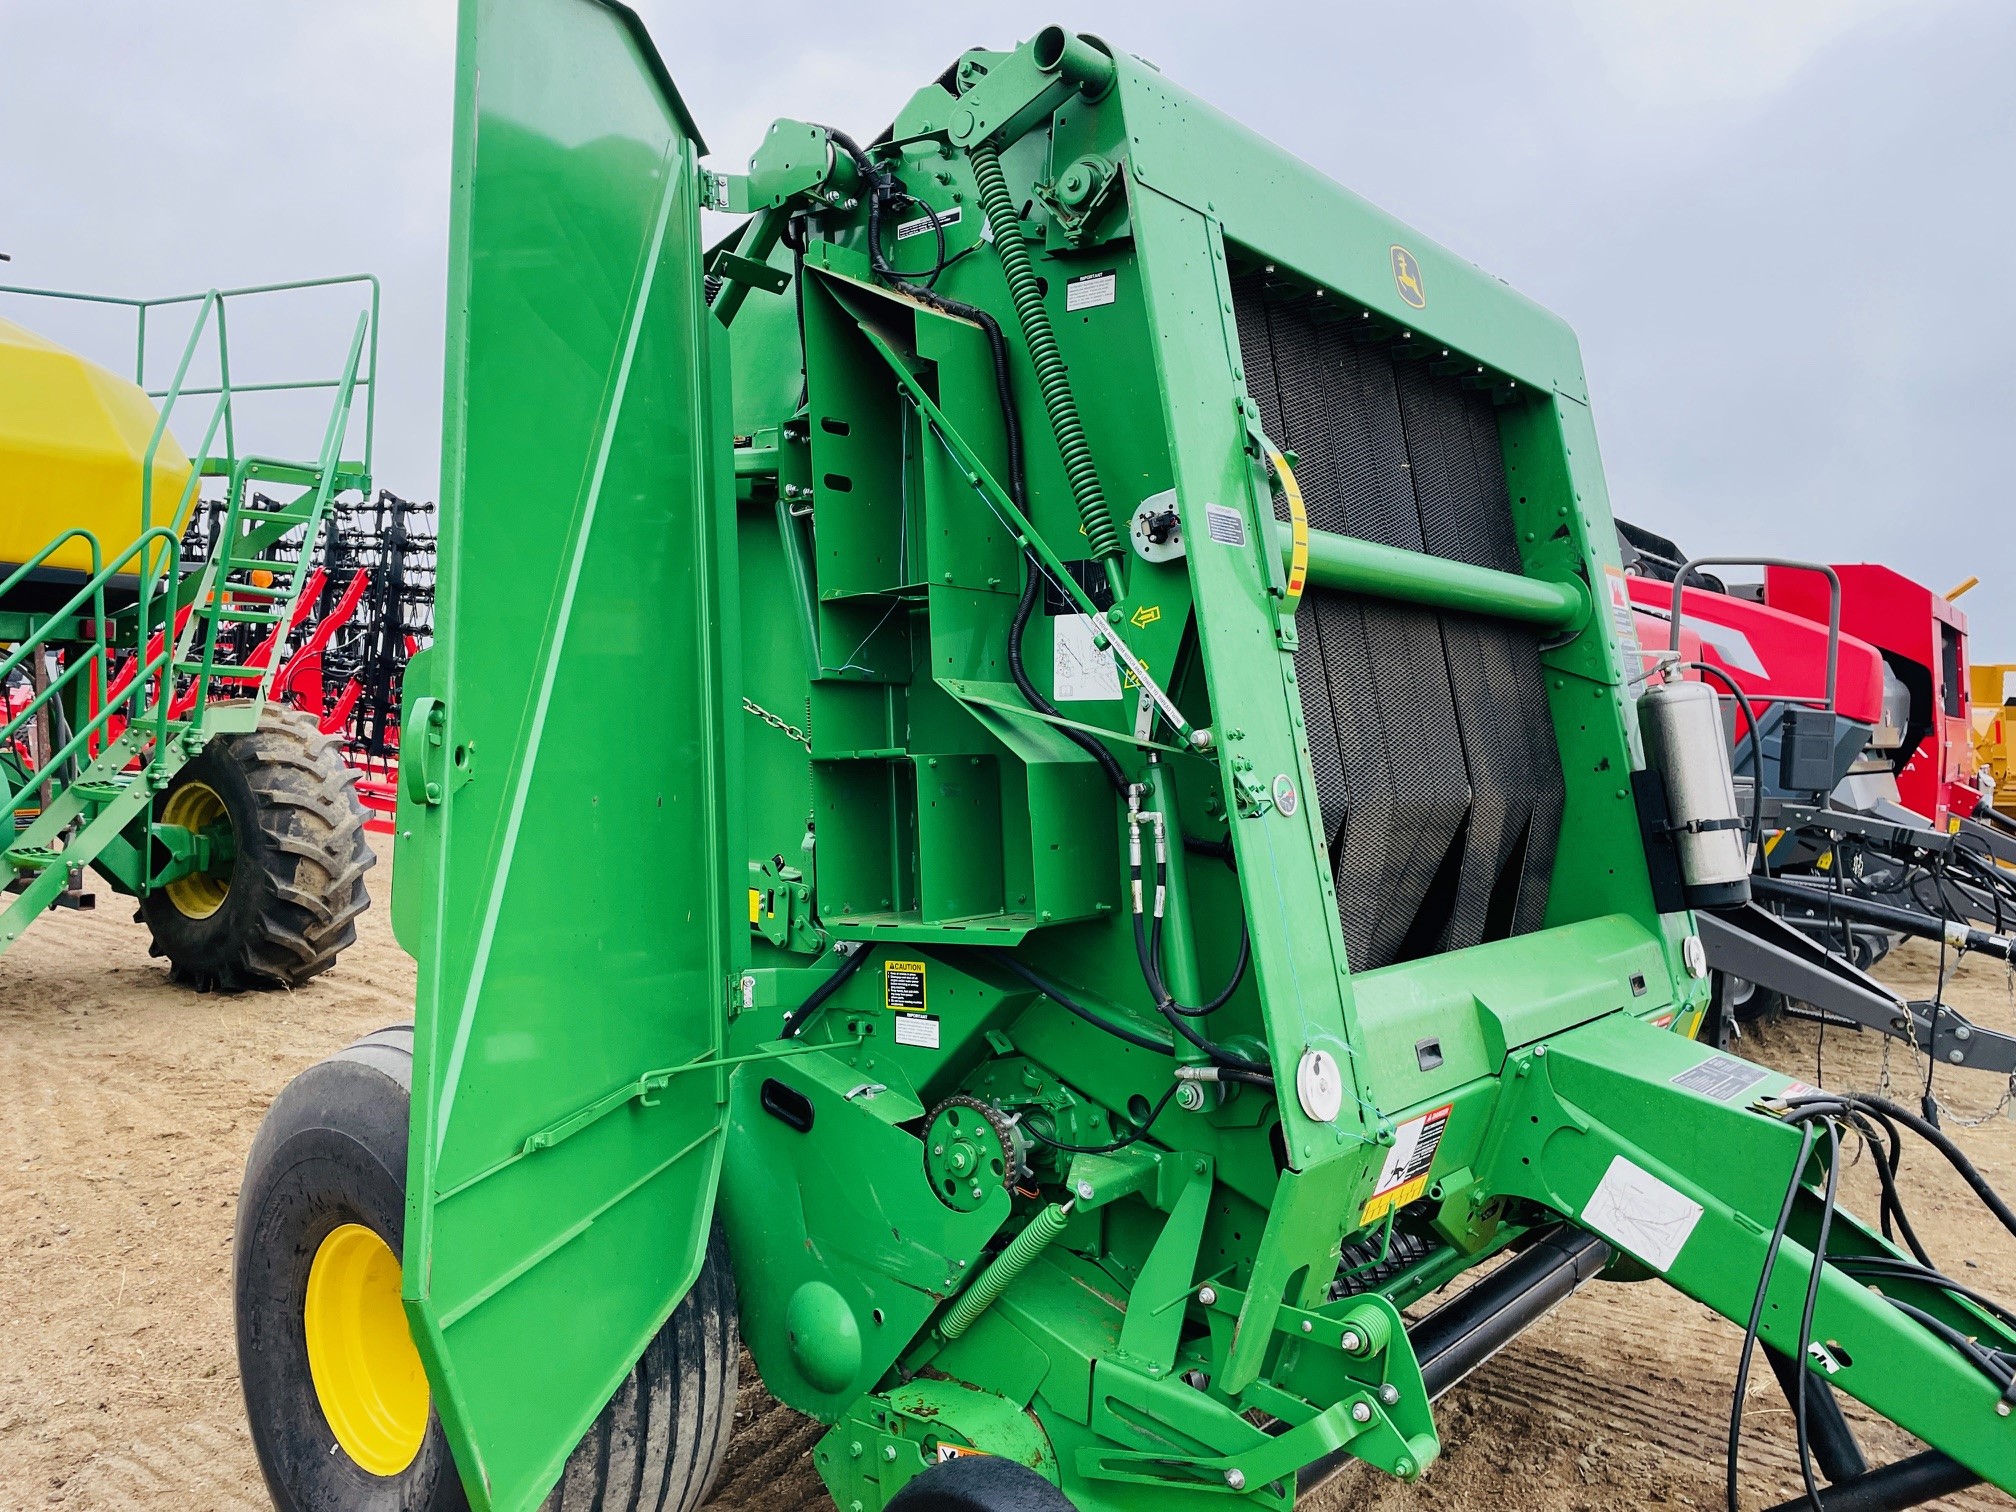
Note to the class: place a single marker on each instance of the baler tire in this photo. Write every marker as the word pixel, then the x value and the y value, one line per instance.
pixel 332 1152
pixel 658 1445
pixel 296 885
pixel 979 1483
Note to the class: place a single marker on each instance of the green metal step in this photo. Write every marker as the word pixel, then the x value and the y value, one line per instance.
pixel 98 793
pixel 32 857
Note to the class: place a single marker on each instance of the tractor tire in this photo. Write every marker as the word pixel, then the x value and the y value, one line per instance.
pixel 321 1222
pixel 286 904
pixel 979 1483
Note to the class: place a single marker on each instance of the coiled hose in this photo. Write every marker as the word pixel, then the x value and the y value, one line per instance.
pixel 1044 355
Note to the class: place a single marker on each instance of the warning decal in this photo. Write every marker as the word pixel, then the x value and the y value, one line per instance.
pixel 1405 1175
pixel 922 224
pixel 1225 526
pixel 903 985
pixel 1624 621
pixel 1637 1211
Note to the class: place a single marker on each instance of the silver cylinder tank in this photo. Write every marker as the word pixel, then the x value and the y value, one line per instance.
pixel 1685 742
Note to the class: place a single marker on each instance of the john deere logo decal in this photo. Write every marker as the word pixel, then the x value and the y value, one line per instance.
pixel 1407 278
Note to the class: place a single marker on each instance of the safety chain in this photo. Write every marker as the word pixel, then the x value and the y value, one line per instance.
pixel 777 722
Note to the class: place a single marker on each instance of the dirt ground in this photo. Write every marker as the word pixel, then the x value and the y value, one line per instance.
pixel 127 1105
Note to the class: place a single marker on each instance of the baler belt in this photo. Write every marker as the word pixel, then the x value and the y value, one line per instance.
pixel 1436 768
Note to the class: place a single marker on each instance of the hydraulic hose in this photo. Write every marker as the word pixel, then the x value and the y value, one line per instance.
pixel 1051 375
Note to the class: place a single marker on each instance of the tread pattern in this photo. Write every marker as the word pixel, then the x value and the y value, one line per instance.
pixel 307 862
pixel 659 1444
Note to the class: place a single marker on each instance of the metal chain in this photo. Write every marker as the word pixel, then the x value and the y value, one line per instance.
pixel 777 722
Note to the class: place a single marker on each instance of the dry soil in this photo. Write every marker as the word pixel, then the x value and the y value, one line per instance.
pixel 127 1105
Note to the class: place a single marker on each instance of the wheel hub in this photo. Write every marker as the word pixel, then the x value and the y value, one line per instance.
pixel 367 1374
pixel 196 807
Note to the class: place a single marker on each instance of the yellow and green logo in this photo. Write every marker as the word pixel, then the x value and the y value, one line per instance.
pixel 1407 278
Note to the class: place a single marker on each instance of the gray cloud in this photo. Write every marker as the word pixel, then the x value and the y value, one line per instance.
pixel 1780 227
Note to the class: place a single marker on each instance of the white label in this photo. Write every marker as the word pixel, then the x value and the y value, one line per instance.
pixel 920 1029
pixel 1081 671
pixel 1225 526
pixel 1636 1210
pixel 922 224
pixel 1089 289
pixel 1631 657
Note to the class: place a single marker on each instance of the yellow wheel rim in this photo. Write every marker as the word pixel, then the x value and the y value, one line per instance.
pixel 367 1374
pixel 196 806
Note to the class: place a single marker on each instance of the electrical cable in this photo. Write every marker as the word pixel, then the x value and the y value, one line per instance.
pixel 1807 1137
pixel 1139 1133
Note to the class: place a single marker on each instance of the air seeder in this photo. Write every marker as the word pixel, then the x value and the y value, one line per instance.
pixel 1025 798
pixel 132 744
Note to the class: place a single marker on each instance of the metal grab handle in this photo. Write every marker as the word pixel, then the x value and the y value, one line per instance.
pixel 1833 607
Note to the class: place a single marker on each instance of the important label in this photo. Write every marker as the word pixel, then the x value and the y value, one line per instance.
pixel 919 1029
pixel 1721 1077
pixel 1404 1177
pixel 903 985
pixel 1081 671
pixel 1225 526
pixel 922 224
pixel 1642 1214
pixel 1089 290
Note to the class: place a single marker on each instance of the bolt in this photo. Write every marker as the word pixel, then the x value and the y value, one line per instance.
pixel 1085 1190
pixel 1389 1394
pixel 1236 1479
pixel 1539 1049
pixel 889 1453
pixel 1956 1056
pixel 2001 1409
pixel 1351 1343
pixel 1361 1412
pixel 1403 1468
pixel 1307 1326
pixel 855 1449
pixel 1208 1295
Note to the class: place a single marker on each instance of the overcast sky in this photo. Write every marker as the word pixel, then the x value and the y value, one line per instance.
pixel 1782 228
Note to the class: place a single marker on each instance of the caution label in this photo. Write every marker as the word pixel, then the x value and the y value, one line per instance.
pixel 1624 623
pixel 923 223
pixel 1405 1175
pixel 903 985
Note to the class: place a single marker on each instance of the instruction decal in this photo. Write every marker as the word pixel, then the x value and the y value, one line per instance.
pixel 1404 1177
pixel 1090 290
pixel 1641 1214
pixel 1225 526
pixel 1721 1077
pixel 922 224
pixel 1081 671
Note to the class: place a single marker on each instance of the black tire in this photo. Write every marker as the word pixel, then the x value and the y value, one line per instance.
pixel 979 1483
pixel 296 884
pixel 332 1151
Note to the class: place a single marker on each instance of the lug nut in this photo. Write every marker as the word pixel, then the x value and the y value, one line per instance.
pixel 1389 1394
pixel 1236 1479
pixel 1352 1341
pixel 1208 1295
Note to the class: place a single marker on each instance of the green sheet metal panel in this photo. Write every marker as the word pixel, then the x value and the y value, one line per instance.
pixel 572 859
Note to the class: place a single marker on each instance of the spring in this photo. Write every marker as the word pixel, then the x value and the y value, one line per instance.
pixel 1051 375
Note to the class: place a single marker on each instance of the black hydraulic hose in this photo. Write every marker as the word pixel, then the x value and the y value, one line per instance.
pixel 1807 1136
pixel 1070 1004
pixel 1935 1137
pixel 798 1017
pixel 1213 1004
pixel 1051 374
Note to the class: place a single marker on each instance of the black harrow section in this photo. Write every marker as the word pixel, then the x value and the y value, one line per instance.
pixel 1437 772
